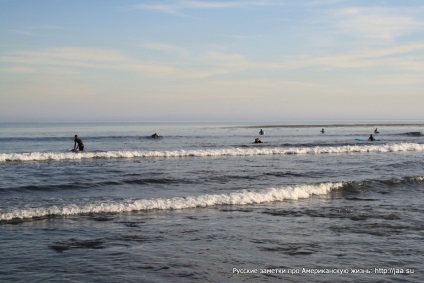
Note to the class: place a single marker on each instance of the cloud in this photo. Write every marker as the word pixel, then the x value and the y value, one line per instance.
pixel 158 46
pixel 76 59
pixel 176 7
pixel 161 8
pixel 164 47
pixel 68 56
pixel 25 32
pixel 232 60
pixel 266 84
pixel 399 80
pixel 215 63
pixel 242 37
pixel 18 70
pixel 402 57
pixel 38 31
pixel 399 57
pixel 82 58
pixel 377 23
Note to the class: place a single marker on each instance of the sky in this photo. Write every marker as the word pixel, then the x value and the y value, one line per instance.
pixel 206 60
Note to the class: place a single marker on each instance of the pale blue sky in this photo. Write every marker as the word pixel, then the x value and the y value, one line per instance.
pixel 204 60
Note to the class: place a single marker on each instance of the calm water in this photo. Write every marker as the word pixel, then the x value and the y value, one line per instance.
pixel 203 203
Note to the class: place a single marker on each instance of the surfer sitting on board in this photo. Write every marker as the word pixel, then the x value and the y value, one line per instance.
pixel 257 140
pixel 371 138
pixel 155 136
pixel 78 141
pixel 261 132
pixel 322 131
pixel 376 131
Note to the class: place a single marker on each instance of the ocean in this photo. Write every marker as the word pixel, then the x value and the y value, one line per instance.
pixel 204 203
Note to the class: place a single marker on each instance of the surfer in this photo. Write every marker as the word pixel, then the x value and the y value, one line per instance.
pixel 155 136
pixel 371 138
pixel 376 131
pixel 78 141
pixel 322 131
pixel 261 132
pixel 257 140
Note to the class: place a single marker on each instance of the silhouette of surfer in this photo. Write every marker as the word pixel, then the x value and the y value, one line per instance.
pixel 155 136
pixel 371 138
pixel 261 132
pixel 257 140
pixel 322 131
pixel 78 145
pixel 376 131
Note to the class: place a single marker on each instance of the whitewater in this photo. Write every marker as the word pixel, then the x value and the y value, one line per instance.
pixel 41 156
pixel 237 198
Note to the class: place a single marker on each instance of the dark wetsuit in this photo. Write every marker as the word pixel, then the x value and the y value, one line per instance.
pixel 80 144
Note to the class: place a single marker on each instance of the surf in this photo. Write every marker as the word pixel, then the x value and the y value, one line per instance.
pixel 235 151
pixel 237 198
pixel 243 197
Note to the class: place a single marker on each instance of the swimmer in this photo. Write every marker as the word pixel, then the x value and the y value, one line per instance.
pixel 257 140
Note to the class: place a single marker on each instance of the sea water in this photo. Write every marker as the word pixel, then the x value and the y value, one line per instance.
pixel 203 203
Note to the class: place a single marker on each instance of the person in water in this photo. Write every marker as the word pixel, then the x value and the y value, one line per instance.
pixel 376 131
pixel 257 140
pixel 155 136
pixel 261 132
pixel 78 141
pixel 371 138
pixel 322 131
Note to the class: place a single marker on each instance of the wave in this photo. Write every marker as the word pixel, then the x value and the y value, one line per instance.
pixel 358 186
pixel 243 197
pixel 43 156
pixel 414 134
pixel 88 185
pixel 35 139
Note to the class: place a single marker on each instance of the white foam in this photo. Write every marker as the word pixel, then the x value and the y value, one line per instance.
pixel 43 156
pixel 243 197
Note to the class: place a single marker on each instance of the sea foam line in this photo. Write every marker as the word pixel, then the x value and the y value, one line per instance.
pixel 243 197
pixel 43 156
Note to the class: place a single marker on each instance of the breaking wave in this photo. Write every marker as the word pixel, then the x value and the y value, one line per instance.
pixel 43 156
pixel 243 197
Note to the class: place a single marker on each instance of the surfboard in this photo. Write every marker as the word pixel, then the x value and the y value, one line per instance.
pixel 364 139
pixel 74 150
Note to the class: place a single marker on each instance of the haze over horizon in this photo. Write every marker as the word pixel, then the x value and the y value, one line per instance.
pixel 205 60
